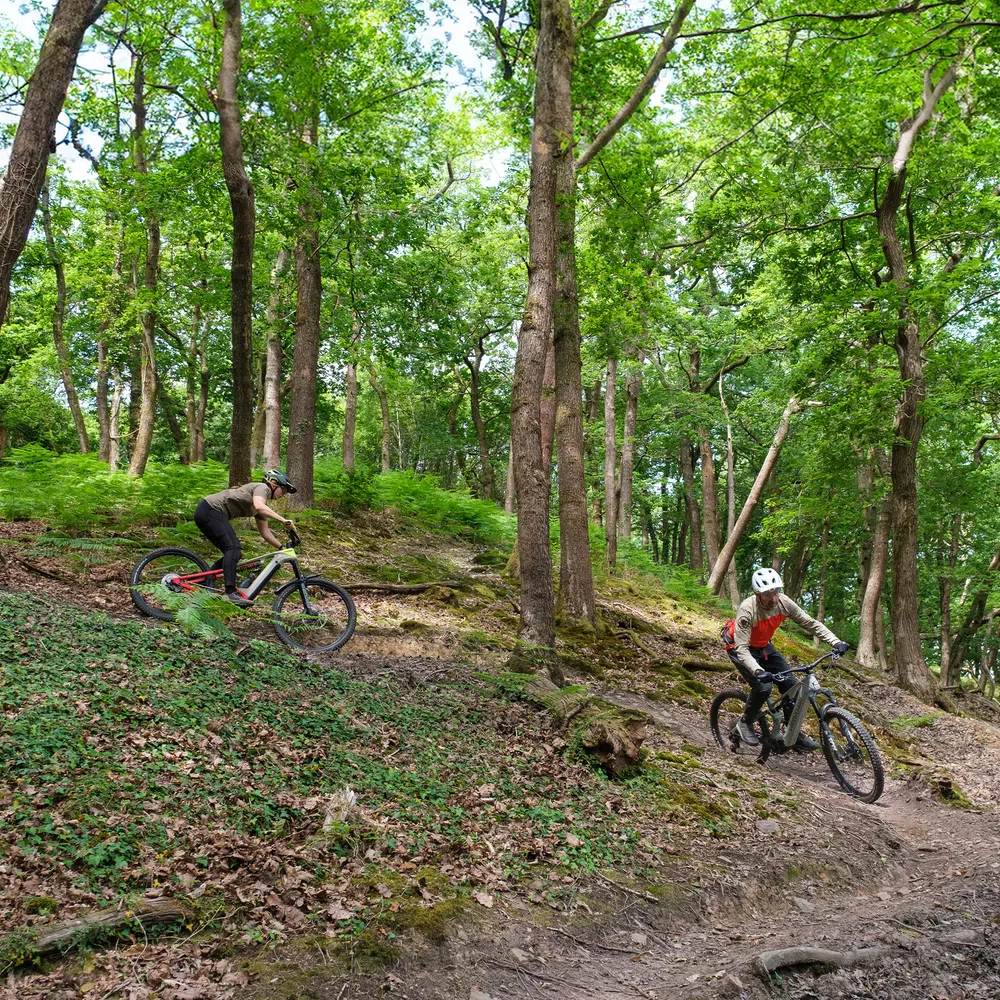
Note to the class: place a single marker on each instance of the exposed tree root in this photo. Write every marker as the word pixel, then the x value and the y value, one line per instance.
pixel 400 588
pixel 770 961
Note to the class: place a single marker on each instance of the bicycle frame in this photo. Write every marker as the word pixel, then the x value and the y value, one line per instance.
pixel 283 557
pixel 807 685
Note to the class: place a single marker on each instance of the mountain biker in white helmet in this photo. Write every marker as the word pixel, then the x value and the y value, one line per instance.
pixel 748 642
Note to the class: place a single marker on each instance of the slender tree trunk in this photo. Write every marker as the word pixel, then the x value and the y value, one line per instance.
pixel 58 320
pixel 166 404
pixel 732 582
pixel 633 385
pixel 272 373
pixel 593 406
pixel 944 596
pixel 709 501
pixel 204 384
pixel 691 503
pixel 35 135
pixel 477 420
pixel 547 407
pixel 114 433
pixel 147 318
pixel 305 360
pixel 908 661
pixel 383 402
pixel 756 491
pixel 241 200
pixel 350 415
pixel 823 554
pixel 576 575
pixel 536 631
pixel 103 408
pixel 975 618
pixel 867 654
pixel 509 492
pixel 610 465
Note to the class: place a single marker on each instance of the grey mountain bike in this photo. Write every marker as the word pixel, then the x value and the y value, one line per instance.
pixel 308 612
pixel 847 745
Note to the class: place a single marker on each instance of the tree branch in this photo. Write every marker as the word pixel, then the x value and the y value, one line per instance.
pixel 645 86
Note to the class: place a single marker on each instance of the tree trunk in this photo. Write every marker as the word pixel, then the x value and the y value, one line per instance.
pixel 975 618
pixel 58 319
pixel 547 408
pixel 633 385
pixel 103 408
pixel 823 555
pixel 477 420
pixel 350 414
pixel 509 494
pixel 35 135
pixel 536 631
pixel 272 373
pixel 944 598
pixel 241 200
pixel 383 402
pixel 908 661
pixel 732 582
pixel 610 465
pixel 691 504
pixel 147 318
pixel 709 501
pixel 753 498
pixel 114 416
pixel 166 404
pixel 576 575
pixel 305 359
pixel 593 407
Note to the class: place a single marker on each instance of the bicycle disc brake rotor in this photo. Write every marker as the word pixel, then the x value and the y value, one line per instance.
pixel 170 582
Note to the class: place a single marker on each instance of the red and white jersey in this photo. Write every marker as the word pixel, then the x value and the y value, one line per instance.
pixel 755 626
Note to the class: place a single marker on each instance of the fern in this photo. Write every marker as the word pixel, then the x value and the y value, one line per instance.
pixel 201 613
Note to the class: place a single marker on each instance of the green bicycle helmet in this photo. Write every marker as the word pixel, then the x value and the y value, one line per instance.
pixel 275 477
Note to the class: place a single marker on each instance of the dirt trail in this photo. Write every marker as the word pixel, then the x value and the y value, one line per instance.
pixel 911 877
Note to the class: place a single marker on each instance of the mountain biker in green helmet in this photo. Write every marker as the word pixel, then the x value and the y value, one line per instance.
pixel 213 514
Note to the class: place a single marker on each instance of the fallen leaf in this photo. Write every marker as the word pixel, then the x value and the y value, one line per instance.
pixel 483 899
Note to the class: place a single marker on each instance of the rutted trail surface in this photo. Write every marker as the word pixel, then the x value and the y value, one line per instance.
pixel 484 857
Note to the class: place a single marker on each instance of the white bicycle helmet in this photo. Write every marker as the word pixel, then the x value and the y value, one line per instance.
pixel 765 579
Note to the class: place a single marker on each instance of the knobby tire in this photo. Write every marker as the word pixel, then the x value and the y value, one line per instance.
pixel 833 715
pixel 136 581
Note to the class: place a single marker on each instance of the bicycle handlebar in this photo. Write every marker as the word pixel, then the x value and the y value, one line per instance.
pixel 810 666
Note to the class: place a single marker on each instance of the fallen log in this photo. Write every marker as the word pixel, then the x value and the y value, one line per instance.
pixel 32 943
pixel 400 588
pixel 771 961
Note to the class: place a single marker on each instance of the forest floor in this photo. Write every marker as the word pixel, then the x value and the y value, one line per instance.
pixel 484 858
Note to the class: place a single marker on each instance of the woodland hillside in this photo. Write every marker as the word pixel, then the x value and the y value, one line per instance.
pixel 193 786
pixel 562 317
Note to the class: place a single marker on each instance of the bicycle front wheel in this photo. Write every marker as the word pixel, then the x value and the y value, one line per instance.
pixel 156 575
pixel 851 753
pixel 321 620
pixel 726 711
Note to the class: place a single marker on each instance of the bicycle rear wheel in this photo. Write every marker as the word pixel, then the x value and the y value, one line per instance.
pixel 325 624
pixel 851 753
pixel 158 570
pixel 727 709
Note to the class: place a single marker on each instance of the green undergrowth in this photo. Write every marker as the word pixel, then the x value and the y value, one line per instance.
pixel 73 490
pixel 134 756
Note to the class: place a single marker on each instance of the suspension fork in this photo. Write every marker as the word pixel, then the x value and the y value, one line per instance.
pixel 303 590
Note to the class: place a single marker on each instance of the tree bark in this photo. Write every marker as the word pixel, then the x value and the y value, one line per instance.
pixel 147 317
pixel 58 320
pixel 383 402
pixel 509 492
pixel 753 498
pixel 477 420
pixel 824 552
pixel 975 618
pixel 305 359
pixel 350 414
pixel 114 417
pixel 610 466
pixel 272 373
pixel 696 563
pixel 908 661
pixel 241 200
pixel 35 136
pixel 536 630
pixel 709 500
pixel 871 651
pixel 103 408
pixel 166 404
pixel 732 582
pixel 633 386
pixel 944 597
pixel 576 575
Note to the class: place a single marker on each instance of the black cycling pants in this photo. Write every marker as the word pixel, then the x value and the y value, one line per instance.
pixel 215 526
pixel 774 663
